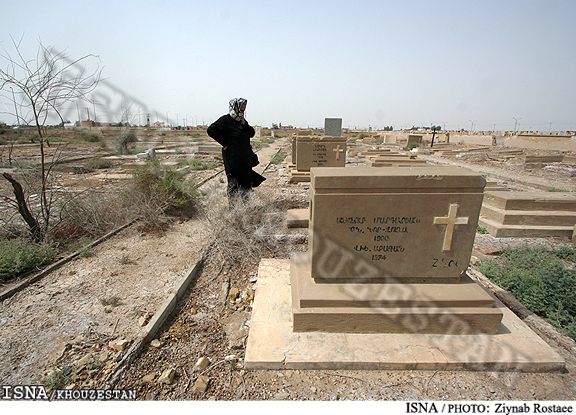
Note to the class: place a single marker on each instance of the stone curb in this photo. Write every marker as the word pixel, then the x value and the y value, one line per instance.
pixel 34 278
pixel 159 318
pixel 162 313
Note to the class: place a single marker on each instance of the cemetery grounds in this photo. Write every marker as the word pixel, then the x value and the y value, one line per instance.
pixel 60 328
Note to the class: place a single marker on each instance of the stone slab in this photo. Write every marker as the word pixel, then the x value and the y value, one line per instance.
pixel 390 307
pixel 397 163
pixel 498 230
pixel 273 345
pixel 534 200
pixel 310 294
pixel 394 156
pixel 114 176
pixel 333 127
pixel 295 176
pixel 210 149
pixel 298 218
pixel 529 218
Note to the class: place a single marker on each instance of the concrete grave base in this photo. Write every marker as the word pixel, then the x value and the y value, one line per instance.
pixel 272 344
pixel 390 307
pixel 296 176
pixel 528 214
pixel 298 218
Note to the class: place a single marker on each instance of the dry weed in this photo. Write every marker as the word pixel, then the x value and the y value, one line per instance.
pixel 243 232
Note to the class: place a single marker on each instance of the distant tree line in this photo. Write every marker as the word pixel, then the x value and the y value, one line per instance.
pixel 433 128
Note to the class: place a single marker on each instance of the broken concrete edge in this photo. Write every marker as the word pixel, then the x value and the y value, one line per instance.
pixel 530 318
pixel 34 278
pixel 154 325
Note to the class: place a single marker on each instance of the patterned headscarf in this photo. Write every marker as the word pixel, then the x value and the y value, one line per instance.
pixel 235 108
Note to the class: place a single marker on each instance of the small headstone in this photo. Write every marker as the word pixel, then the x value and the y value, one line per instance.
pixel 388 253
pixel 320 152
pixel 417 139
pixel 333 127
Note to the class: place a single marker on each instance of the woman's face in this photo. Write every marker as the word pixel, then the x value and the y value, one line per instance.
pixel 243 109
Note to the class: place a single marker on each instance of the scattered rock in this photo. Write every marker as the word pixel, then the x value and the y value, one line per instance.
pixel 203 362
pixel 105 355
pixel 281 396
pixel 156 343
pixel 474 260
pixel 149 377
pixel 84 360
pixel 167 376
pixel 234 293
pixel 236 328
pixel 201 384
pixel 119 344
pixel 142 321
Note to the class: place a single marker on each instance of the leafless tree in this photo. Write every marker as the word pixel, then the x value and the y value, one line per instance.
pixel 38 88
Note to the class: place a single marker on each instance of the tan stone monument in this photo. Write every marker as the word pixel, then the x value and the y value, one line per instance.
pixel 388 231
pixel 384 284
pixel 311 152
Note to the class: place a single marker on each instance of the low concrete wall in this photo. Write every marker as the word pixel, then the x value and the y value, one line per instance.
pixel 481 140
pixel 558 143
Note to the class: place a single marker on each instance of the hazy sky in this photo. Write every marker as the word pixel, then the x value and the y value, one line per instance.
pixel 457 64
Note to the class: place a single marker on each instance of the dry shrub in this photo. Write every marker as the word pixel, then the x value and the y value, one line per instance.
pixel 92 213
pixel 158 191
pixel 244 232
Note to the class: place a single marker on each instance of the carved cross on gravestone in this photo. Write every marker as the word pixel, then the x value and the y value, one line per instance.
pixel 338 150
pixel 450 221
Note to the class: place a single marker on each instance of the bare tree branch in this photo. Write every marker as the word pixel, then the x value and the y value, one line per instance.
pixel 39 88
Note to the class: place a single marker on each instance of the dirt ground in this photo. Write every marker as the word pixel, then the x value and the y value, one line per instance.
pixel 66 321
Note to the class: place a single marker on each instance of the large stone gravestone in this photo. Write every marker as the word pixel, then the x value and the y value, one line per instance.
pixel 333 127
pixel 385 285
pixel 388 252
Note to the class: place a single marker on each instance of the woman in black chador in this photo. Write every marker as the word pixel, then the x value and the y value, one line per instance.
pixel 233 133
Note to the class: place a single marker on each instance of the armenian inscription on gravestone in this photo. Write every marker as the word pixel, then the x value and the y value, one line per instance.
pixel 388 253
pixel 320 152
pixel 407 223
